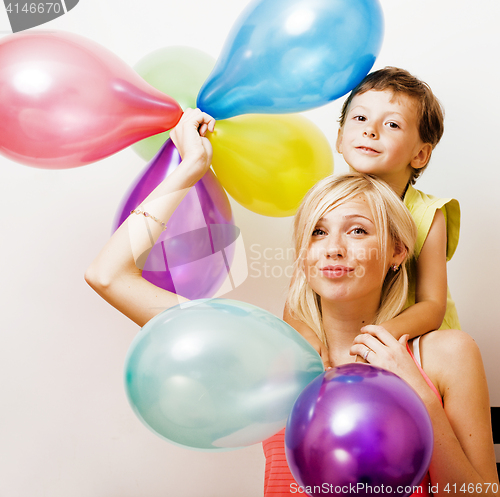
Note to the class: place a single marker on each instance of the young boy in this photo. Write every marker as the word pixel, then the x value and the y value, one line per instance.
pixel 389 125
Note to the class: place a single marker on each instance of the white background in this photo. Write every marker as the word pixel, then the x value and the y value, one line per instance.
pixel 66 428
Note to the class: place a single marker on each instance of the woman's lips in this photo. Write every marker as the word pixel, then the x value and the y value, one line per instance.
pixel 336 271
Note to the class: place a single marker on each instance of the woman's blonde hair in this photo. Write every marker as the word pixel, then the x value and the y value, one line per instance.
pixel 393 224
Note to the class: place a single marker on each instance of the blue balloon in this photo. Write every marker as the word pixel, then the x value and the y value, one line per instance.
pixel 217 374
pixel 292 55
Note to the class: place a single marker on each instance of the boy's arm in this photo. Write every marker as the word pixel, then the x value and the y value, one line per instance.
pixel 309 335
pixel 431 287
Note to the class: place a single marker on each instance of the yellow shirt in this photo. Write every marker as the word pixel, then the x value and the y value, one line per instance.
pixel 423 208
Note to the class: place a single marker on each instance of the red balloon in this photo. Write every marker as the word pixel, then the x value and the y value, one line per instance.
pixel 66 101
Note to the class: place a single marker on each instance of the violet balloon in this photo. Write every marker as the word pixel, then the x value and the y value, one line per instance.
pixel 359 425
pixel 193 255
pixel 67 101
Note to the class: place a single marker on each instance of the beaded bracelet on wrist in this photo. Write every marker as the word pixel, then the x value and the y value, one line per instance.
pixel 147 214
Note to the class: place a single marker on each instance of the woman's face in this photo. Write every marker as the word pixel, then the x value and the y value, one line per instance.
pixel 344 261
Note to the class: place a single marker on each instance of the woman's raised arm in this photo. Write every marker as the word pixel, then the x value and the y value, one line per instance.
pixel 116 273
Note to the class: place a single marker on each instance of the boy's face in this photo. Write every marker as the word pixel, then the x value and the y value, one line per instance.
pixel 380 136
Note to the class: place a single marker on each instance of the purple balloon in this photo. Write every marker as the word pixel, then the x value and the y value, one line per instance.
pixel 358 426
pixel 193 255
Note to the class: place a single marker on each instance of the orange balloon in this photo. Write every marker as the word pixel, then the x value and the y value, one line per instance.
pixel 267 163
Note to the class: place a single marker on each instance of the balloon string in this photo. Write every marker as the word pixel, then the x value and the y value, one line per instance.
pixel 165 257
pixel 229 275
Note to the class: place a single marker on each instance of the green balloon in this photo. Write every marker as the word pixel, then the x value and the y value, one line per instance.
pixel 217 374
pixel 179 72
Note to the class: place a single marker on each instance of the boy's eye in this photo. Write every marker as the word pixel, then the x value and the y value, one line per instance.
pixel 393 125
pixel 318 232
pixel 359 118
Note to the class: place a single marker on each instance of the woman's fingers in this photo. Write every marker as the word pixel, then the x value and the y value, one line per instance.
pixel 377 346
pixel 208 125
pixel 194 119
pixel 363 351
pixel 365 343
pixel 189 138
pixel 380 333
pixel 199 118
pixel 209 122
pixel 370 341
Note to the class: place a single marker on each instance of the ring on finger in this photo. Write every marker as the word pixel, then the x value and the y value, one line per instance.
pixel 365 355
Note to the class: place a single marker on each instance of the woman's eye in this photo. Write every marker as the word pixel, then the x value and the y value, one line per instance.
pixel 358 231
pixel 318 232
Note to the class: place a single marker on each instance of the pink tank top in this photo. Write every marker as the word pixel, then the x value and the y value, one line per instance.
pixel 278 480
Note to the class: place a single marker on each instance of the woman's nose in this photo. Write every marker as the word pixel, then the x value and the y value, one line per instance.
pixel 335 250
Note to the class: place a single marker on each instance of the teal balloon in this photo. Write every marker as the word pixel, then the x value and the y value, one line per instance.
pixel 292 55
pixel 217 374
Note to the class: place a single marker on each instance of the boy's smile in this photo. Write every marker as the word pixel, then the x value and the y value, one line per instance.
pixel 380 136
pixel 367 150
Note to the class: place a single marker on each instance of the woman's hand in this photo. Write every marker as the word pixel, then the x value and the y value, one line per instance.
pixel 379 348
pixel 463 453
pixel 190 140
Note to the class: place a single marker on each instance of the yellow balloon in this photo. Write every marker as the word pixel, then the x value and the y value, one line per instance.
pixel 267 163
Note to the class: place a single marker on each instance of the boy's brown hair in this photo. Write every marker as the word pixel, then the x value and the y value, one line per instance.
pixel 399 81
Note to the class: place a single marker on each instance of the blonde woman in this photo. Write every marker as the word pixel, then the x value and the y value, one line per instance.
pixel 352 241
